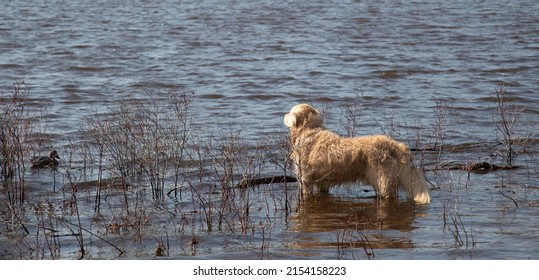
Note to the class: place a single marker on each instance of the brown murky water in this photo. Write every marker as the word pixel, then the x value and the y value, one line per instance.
pixel 421 72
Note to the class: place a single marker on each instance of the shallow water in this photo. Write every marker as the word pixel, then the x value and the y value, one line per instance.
pixel 248 64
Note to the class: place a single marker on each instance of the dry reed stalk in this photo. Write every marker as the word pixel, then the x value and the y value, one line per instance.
pixel 509 130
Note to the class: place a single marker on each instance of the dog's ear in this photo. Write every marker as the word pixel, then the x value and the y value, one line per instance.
pixel 311 118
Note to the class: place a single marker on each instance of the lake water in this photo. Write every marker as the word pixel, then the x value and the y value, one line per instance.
pixel 407 64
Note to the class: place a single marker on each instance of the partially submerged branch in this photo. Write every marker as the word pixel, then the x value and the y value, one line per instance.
pixel 477 167
pixel 245 183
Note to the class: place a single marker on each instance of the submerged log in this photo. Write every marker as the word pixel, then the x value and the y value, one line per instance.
pixel 245 183
pixel 485 167
pixel 478 167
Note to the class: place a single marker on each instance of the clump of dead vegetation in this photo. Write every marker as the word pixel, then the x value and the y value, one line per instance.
pixel 17 125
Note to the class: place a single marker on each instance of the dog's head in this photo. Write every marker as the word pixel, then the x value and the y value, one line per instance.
pixel 303 116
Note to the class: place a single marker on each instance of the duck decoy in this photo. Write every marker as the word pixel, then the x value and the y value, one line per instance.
pixel 46 161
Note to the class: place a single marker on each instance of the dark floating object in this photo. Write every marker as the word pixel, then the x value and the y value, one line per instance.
pixel 477 167
pixel 246 183
pixel 265 181
pixel 44 161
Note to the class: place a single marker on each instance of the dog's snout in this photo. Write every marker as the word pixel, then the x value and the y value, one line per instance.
pixel 288 120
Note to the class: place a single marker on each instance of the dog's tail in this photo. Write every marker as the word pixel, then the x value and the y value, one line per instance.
pixel 413 183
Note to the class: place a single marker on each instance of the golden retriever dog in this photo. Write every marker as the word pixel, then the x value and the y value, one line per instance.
pixel 323 159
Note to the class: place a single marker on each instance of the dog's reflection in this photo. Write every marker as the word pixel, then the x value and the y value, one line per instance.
pixel 321 219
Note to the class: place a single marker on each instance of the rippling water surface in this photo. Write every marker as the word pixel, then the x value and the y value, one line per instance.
pixel 249 62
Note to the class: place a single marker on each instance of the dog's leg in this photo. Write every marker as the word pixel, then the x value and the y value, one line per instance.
pixel 305 188
pixel 388 180
pixel 383 186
